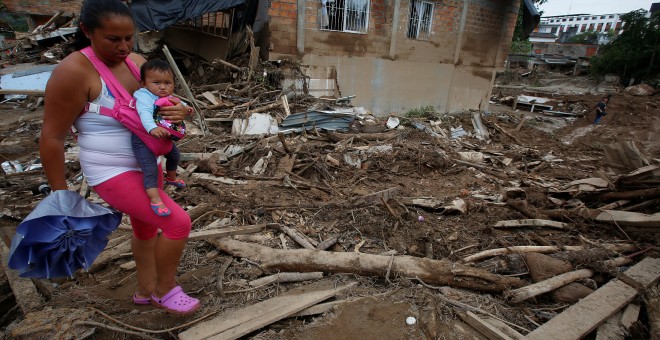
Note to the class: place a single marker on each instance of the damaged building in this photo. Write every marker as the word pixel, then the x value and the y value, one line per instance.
pixel 391 55
pixel 398 55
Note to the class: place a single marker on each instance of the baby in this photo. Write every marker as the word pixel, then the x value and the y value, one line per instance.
pixel 157 88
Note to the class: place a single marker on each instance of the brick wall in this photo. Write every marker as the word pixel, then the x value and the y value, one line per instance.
pixel 43 7
pixel 488 24
pixel 283 25
pixel 442 40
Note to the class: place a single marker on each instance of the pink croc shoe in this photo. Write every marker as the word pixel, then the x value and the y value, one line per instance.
pixel 176 302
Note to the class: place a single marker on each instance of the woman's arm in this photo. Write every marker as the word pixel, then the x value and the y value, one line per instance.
pixel 65 99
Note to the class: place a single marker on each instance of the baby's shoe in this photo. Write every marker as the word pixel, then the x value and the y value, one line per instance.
pixel 178 182
pixel 160 209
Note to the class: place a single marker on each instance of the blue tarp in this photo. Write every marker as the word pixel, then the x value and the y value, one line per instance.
pixel 153 15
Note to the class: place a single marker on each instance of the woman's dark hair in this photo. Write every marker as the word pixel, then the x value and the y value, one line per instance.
pixel 92 12
pixel 156 65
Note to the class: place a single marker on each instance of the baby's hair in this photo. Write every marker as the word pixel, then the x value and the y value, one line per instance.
pixel 156 65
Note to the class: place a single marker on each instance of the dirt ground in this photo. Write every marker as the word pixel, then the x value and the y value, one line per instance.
pixel 418 165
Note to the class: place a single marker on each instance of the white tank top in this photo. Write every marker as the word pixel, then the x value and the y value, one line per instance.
pixel 105 144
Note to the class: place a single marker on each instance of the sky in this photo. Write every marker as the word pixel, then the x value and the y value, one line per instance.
pixel 564 7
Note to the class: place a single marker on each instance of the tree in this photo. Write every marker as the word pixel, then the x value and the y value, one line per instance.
pixel 521 44
pixel 634 52
pixel 589 37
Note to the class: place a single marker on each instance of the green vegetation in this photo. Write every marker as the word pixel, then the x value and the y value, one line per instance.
pixel 591 37
pixel 422 112
pixel 633 53
pixel 520 44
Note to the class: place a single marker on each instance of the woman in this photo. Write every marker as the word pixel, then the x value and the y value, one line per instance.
pixel 106 30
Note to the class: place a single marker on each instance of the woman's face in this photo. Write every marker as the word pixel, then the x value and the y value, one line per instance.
pixel 112 41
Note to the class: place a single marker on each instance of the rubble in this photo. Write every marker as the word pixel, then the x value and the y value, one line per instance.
pixel 392 206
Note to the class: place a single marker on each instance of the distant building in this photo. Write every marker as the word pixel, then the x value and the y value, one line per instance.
pixel 544 33
pixel 570 25
pixel 655 7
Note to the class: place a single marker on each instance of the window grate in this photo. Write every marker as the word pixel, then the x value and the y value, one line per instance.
pixel 345 15
pixel 420 20
pixel 218 24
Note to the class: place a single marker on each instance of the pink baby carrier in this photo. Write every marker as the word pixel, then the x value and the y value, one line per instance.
pixel 124 110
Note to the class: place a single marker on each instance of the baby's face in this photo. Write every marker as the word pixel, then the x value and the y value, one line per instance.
pixel 159 83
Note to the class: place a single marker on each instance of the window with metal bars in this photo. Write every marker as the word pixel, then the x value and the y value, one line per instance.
pixel 215 23
pixel 345 15
pixel 420 20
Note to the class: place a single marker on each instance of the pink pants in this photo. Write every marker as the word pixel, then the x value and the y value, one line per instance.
pixel 126 193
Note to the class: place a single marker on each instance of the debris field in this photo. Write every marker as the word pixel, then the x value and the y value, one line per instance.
pixel 318 220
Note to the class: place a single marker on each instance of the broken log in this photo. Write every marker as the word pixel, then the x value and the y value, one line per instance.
pixel 293 234
pixel 517 249
pixel 541 249
pixel 639 206
pixel 228 64
pixel 628 195
pixel 528 292
pixel 327 243
pixel 285 277
pixel 531 223
pixel 623 218
pixel 431 271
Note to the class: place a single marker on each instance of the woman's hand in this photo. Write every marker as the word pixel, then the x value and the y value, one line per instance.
pixel 175 113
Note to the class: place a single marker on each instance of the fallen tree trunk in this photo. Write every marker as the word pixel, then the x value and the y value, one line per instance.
pixel 430 271
pixel 528 292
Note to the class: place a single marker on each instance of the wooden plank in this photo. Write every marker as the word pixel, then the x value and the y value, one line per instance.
pixel 483 327
pixel 321 308
pixel 235 324
pixel 583 317
pixel 502 327
pixel 227 231
pixel 643 274
pixel 210 97
pixel 533 222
